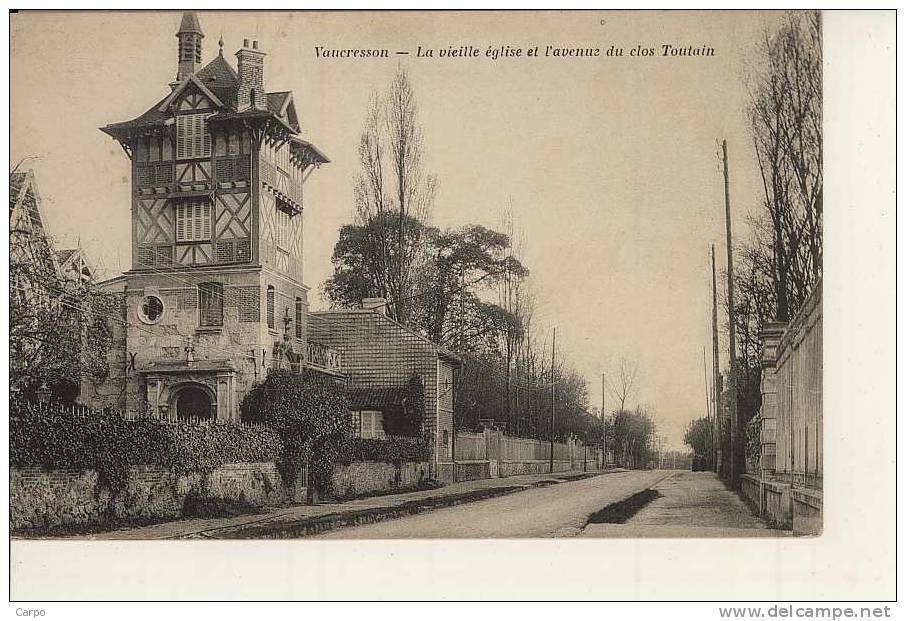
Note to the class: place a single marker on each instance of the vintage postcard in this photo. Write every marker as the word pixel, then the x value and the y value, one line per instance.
pixel 416 275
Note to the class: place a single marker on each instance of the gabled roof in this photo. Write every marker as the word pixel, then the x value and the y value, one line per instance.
pixel 20 184
pixel 192 79
pixel 362 314
pixel 221 79
pixel 17 181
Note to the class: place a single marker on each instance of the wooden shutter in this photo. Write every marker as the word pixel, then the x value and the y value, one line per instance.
pixel 181 137
pixel 180 222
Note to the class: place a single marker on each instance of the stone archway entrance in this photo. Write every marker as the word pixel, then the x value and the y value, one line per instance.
pixel 194 402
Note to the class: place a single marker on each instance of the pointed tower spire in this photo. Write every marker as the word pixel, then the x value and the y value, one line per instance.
pixel 190 36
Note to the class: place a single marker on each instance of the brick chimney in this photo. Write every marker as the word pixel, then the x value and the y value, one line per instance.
pixel 378 305
pixel 190 36
pixel 251 77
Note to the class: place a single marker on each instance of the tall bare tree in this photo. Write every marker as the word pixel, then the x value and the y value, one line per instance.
pixel 621 383
pixel 785 114
pixel 393 191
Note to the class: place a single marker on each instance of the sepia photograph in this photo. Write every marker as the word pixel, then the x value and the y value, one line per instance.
pixel 420 275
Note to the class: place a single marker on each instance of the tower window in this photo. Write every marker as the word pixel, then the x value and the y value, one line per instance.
pixel 152 309
pixel 270 307
pixel 210 304
pixel 193 220
pixel 192 137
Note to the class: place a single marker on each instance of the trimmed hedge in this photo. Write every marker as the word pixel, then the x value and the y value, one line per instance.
pixel 55 436
pixel 392 450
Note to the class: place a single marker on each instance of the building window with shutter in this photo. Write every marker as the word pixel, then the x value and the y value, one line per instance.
pixel 192 137
pixel 193 220
pixel 299 318
pixel 210 304
pixel 270 307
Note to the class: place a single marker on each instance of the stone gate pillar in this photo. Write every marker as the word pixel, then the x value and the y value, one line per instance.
pixel 770 343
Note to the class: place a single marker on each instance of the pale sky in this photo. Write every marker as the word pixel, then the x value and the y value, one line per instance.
pixel 611 163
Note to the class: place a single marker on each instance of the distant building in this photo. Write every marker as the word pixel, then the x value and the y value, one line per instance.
pixel 379 357
pixel 215 296
pixel 47 288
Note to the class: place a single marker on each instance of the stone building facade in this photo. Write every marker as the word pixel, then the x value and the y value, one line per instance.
pixel 215 296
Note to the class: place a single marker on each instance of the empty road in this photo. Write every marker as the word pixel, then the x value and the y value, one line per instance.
pixel 679 504
pixel 559 510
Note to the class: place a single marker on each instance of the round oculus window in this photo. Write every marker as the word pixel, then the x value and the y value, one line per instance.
pixel 152 308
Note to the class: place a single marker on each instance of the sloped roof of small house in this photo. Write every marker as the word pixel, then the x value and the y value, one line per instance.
pixel 376 398
pixel 374 315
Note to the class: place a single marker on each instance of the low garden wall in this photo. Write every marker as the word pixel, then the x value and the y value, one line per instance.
pixel 42 498
pixel 777 506
pixel 369 477
pixel 536 466
pixel 807 509
pixel 750 487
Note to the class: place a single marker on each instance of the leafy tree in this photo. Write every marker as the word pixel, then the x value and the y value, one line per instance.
pixel 408 418
pixel 360 257
pixel 633 432
pixel 461 262
pixel 698 438
pixel 310 412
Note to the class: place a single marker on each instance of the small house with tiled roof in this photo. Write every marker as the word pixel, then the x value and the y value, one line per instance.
pixel 215 295
pixel 380 358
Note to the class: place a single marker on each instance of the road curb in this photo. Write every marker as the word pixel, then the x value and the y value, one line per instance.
pixel 323 523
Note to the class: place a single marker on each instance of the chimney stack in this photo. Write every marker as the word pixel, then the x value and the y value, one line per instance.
pixel 378 305
pixel 251 77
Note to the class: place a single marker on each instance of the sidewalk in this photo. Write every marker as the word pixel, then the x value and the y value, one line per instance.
pixel 301 520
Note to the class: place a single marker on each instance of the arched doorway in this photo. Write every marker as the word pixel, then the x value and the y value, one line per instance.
pixel 194 402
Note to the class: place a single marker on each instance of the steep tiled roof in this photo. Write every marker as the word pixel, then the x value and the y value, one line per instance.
pixel 149 119
pixel 275 101
pixel 222 80
pixel 190 23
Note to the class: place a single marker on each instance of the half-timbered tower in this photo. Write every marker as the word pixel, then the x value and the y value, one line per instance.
pixel 215 294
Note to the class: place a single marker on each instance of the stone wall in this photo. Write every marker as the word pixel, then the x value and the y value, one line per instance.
pixel 368 477
pixel 750 488
pixel 777 507
pixel 807 508
pixel 46 498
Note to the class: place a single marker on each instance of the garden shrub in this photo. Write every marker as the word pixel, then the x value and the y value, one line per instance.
pixel 392 450
pixel 310 412
pixel 407 418
pixel 60 437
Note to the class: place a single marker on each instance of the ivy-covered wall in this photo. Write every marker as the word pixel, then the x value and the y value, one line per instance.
pixel 41 498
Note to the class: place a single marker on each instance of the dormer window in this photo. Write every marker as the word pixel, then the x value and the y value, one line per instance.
pixel 192 137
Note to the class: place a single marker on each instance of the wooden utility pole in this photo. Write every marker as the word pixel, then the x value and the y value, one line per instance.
pixel 715 363
pixel 734 418
pixel 553 395
pixel 603 419
pixel 708 407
